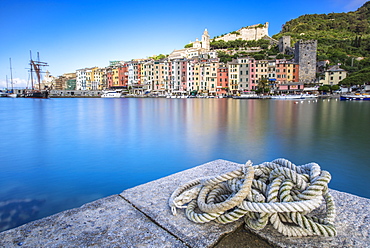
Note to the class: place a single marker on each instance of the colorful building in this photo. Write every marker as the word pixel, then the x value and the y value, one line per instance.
pixel 222 87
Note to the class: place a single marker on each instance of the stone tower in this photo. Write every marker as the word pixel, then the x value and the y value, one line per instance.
pixel 284 43
pixel 205 40
pixel 305 56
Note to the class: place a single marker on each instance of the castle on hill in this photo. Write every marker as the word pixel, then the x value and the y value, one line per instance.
pixel 253 32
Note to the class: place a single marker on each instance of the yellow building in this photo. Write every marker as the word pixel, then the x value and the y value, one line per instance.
pixel 115 77
pixel 262 69
pixel 196 77
pixel 209 77
pixel 146 76
pixel 233 76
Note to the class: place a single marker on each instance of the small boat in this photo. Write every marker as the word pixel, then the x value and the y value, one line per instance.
pixel 3 94
pixel 13 95
pixel 287 97
pixel 111 94
pixel 247 96
pixel 356 97
pixel 310 95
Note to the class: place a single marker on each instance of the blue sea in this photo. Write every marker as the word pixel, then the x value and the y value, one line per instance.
pixel 57 154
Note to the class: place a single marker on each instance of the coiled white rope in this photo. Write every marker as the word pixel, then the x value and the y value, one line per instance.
pixel 277 191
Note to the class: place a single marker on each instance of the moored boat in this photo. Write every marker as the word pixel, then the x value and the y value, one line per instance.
pixel 36 68
pixel 3 94
pixel 310 95
pixel 247 96
pixel 35 94
pixel 13 95
pixel 111 94
pixel 287 97
pixel 355 97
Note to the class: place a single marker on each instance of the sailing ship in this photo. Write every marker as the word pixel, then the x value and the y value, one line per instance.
pixel 36 69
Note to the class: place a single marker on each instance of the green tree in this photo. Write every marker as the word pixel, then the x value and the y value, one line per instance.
pixel 262 86
pixel 335 87
pixel 280 56
pixel 324 88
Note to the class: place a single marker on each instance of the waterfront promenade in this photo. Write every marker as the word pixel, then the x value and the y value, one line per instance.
pixel 140 217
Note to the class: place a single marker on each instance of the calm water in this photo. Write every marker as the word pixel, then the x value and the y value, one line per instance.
pixel 58 154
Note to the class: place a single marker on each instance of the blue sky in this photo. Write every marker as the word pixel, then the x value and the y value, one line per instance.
pixel 75 34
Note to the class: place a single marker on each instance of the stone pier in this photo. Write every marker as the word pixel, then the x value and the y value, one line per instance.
pixel 140 217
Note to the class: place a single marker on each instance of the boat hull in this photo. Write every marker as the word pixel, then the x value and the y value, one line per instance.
pixel 13 95
pixel 36 94
pixel 111 94
pixel 288 97
pixel 247 96
pixel 355 98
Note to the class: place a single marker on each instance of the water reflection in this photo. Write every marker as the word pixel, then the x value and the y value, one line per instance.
pixel 66 152
pixel 18 212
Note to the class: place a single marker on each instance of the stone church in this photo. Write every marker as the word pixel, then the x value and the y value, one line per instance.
pixel 199 47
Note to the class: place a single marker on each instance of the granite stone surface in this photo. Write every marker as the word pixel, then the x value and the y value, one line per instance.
pixel 108 222
pixel 152 199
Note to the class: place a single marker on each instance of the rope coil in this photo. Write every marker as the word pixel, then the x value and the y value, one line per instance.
pixel 278 192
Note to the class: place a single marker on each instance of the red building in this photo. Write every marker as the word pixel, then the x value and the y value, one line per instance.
pixel 222 87
pixel 109 78
pixel 123 76
pixel 184 66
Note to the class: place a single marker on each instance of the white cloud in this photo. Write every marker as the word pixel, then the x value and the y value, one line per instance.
pixel 18 83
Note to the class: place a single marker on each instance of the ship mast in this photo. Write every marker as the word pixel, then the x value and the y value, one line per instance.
pixel 11 74
pixel 36 65
pixel 31 70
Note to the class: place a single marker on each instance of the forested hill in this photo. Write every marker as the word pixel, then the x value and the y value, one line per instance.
pixel 343 38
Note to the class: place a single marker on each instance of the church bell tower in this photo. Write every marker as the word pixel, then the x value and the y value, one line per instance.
pixel 205 40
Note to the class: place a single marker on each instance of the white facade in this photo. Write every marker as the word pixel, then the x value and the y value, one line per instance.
pixel 254 32
pixel 176 75
pixel 81 79
pixel 190 77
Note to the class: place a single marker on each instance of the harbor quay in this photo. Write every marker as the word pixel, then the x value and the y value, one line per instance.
pixel 100 93
pixel 141 217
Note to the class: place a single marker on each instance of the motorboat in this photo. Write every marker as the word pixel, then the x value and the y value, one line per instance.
pixel 310 96
pixel 288 97
pixel 355 97
pixel 247 96
pixel 111 94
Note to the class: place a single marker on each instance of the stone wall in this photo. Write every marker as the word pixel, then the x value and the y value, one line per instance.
pixel 254 32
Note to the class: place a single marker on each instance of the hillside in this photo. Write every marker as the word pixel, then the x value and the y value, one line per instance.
pixel 343 38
